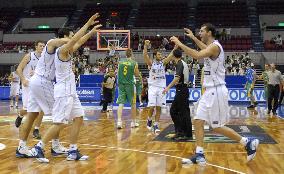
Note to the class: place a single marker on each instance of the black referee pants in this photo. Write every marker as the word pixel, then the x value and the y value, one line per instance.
pixel 107 98
pixel 180 112
pixel 273 94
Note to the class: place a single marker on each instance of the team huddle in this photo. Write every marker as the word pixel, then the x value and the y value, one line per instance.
pixel 49 88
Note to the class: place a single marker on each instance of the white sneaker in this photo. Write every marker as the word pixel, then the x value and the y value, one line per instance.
pixel 134 124
pixel 23 152
pixel 76 155
pixel 59 150
pixel 38 153
pixel 119 125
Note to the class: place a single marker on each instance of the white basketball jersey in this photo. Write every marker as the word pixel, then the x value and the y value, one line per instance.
pixel 16 78
pixel 45 66
pixel 157 74
pixel 214 70
pixel 65 78
pixel 31 65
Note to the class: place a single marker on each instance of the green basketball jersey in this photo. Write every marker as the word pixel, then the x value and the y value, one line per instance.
pixel 126 69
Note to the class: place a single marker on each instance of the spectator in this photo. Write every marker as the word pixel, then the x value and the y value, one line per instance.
pixel 223 34
pixel 278 42
pixel 228 33
pixel 86 53
pixel 263 28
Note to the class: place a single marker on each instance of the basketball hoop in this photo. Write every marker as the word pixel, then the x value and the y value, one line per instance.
pixel 119 39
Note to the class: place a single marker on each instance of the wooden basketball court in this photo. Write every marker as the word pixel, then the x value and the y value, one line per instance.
pixel 132 150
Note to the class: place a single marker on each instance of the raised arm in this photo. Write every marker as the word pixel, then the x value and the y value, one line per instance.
pixel 55 43
pixel 170 56
pixel 68 47
pixel 25 60
pixel 147 59
pixel 85 38
pixel 211 50
pixel 198 42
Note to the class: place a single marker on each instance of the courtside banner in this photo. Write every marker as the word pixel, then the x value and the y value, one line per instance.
pixel 85 93
pixel 235 94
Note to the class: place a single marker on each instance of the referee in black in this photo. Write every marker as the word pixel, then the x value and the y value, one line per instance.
pixel 179 111
pixel 274 80
pixel 108 86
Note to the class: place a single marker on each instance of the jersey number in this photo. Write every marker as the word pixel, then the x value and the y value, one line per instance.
pixel 125 70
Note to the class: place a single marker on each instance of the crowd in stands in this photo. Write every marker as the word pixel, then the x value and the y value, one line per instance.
pixel 4 80
pixel 237 63
pixel 277 40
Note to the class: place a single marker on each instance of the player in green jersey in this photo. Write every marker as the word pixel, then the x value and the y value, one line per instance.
pixel 127 68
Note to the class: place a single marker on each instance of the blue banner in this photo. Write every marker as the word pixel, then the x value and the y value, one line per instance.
pixel 94 94
pixel 235 94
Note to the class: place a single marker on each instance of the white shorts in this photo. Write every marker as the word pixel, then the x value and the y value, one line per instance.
pixel 25 96
pixel 67 108
pixel 156 97
pixel 15 89
pixel 41 96
pixel 213 106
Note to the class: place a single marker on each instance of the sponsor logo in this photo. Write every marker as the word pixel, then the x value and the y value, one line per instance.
pixel 234 94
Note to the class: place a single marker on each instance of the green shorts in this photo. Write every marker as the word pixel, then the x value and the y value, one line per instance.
pixel 126 94
pixel 249 88
pixel 138 89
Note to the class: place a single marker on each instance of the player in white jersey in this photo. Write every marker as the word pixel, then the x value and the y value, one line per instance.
pixel 213 105
pixel 25 71
pixel 41 96
pixel 67 106
pixel 14 89
pixel 156 84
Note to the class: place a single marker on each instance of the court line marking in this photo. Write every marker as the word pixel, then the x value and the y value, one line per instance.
pixel 142 151
pixel 154 153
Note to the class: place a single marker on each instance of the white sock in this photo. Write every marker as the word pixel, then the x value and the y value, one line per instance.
pixel 40 144
pixel 55 142
pixel 199 149
pixel 21 116
pixel 149 118
pixel 156 123
pixel 73 147
pixel 244 141
pixel 16 103
pixel 22 143
pixel 36 127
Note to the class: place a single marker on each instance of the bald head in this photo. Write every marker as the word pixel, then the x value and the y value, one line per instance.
pixel 272 66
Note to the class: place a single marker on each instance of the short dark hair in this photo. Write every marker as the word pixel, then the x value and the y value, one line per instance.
pixel 63 32
pixel 210 27
pixel 39 41
pixel 155 52
pixel 177 53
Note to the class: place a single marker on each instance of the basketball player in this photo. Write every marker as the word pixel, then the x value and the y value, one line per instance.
pixel 156 84
pixel 41 96
pixel 251 78
pixel 213 105
pixel 127 68
pixel 15 89
pixel 67 106
pixel 25 71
